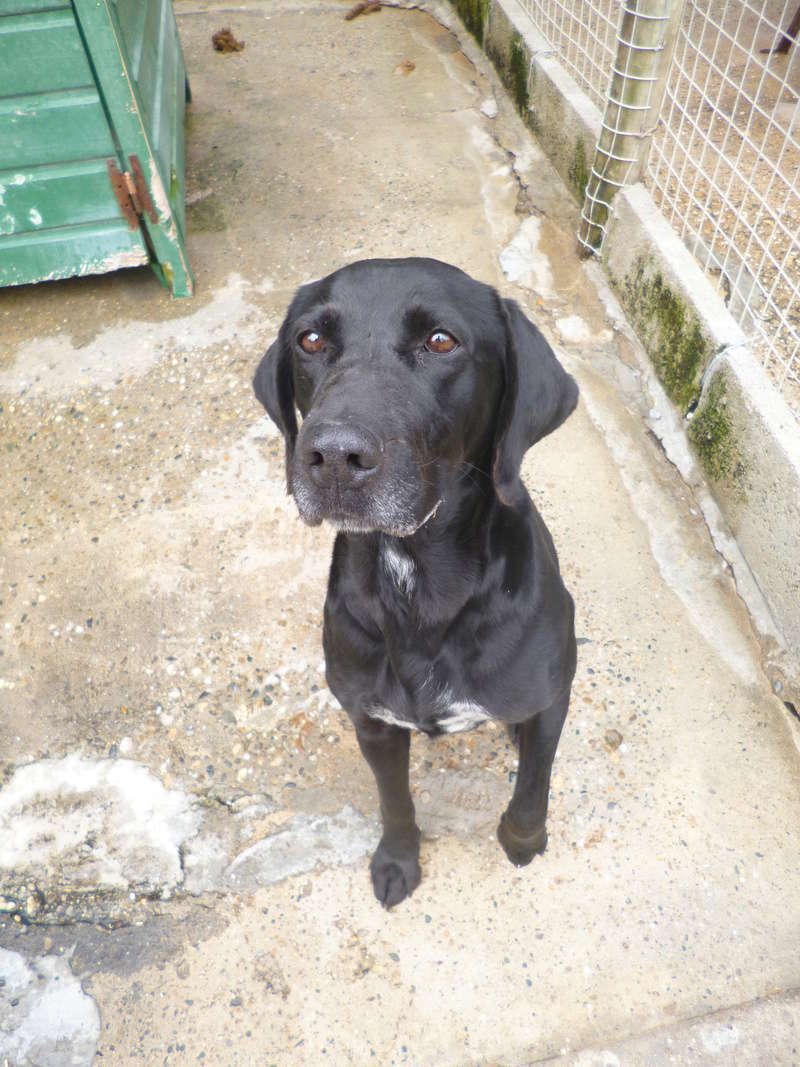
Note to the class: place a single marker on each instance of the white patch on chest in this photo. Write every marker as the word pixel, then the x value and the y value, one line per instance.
pixel 454 717
pixel 463 715
pixel 384 715
pixel 400 567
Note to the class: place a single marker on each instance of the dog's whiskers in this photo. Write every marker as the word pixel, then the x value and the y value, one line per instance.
pixel 431 513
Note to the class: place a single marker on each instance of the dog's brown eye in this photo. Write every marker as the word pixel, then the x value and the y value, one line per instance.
pixel 441 342
pixel 311 341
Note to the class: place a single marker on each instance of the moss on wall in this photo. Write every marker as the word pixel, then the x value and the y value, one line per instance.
pixel 473 13
pixel 670 332
pixel 518 74
pixel 712 434
pixel 578 170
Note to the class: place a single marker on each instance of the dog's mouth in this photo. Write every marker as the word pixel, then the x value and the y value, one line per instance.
pixel 349 524
pixel 394 512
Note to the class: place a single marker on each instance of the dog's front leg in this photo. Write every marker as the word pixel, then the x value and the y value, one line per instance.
pixel 522 831
pixel 395 865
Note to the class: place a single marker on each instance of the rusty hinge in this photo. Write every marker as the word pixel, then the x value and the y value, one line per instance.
pixel 131 192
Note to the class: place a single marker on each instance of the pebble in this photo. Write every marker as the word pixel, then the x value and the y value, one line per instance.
pixel 613 739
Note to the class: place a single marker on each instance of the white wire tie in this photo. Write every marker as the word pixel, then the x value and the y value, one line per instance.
pixel 610 181
pixel 596 181
pixel 616 159
pixel 641 47
pixel 632 77
pixel 630 133
pixel 629 107
pixel 644 16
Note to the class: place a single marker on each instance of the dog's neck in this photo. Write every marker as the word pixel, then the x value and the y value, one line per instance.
pixel 419 566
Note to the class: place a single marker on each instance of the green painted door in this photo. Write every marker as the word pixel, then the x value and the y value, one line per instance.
pixel 92 102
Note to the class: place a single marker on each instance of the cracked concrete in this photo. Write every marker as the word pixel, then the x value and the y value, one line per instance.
pixel 185 819
pixel 47 1018
pixel 93 823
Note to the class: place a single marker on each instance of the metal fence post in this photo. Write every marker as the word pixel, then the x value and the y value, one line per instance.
pixel 645 44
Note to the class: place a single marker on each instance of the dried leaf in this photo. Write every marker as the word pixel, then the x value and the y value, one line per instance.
pixel 363 7
pixel 224 41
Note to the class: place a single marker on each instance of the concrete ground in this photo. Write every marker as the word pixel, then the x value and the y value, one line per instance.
pixel 185 821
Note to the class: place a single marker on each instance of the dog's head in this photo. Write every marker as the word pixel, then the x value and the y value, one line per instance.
pixel 410 377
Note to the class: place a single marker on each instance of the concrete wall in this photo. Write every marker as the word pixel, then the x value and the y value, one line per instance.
pixel 565 121
pixel 741 430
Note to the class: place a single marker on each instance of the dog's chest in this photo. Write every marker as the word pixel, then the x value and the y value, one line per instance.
pixel 398 567
pixel 429 703
pixel 446 715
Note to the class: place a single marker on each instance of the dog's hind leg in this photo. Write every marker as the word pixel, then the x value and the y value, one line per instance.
pixel 395 865
pixel 522 831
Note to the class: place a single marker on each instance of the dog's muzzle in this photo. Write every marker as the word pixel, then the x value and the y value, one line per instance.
pixel 343 473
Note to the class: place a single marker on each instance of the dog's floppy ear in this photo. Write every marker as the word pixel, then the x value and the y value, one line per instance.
pixel 273 384
pixel 538 397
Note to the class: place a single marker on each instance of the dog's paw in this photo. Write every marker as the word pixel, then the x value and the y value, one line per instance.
pixel 394 876
pixel 520 848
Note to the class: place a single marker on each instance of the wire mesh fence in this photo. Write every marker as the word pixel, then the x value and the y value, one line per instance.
pixel 583 33
pixel 724 160
pixel 724 167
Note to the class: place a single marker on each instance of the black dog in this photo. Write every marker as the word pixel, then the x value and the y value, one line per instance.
pixel 420 391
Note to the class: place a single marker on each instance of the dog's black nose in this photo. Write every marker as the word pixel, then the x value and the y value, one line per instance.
pixel 338 454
